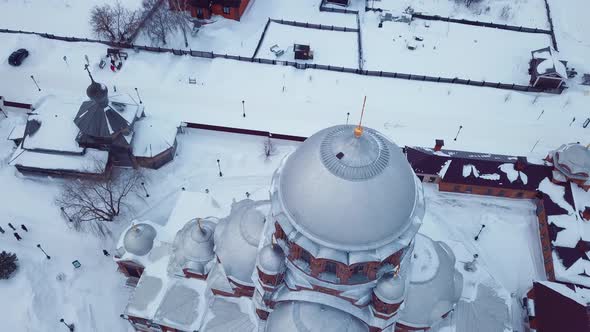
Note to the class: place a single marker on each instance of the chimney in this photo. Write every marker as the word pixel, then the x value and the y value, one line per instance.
pixel 521 163
pixel 439 143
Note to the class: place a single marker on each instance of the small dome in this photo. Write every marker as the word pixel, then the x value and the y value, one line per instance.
pixel 390 289
pixel 349 193
pixel 97 92
pixel 193 246
pixel 271 260
pixel 139 239
pixel 299 316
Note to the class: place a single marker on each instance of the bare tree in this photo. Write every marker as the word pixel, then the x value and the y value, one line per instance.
pixel 181 17
pixel 161 23
pixel 94 201
pixel 166 18
pixel 269 148
pixel 114 22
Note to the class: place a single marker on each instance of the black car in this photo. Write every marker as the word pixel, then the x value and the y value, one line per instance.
pixel 17 57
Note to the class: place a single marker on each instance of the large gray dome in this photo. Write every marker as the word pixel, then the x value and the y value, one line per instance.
pixel 139 239
pixel 298 316
pixel 348 193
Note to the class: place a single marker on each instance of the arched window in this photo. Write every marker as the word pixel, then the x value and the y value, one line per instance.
pixel 305 256
pixel 330 267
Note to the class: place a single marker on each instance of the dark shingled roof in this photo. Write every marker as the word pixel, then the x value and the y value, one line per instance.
pixel 227 3
pixel 426 161
pixel 556 312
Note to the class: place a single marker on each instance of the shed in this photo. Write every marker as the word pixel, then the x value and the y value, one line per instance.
pixel 302 52
pixel 547 72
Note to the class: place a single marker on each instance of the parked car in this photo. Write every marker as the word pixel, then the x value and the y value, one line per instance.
pixel 17 57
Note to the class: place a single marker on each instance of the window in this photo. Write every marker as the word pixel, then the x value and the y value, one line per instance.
pixel 520 194
pixel 502 193
pixel 199 11
pixel 432 179
pixel 305 256
pixel 226 10
pixel 358 269
pixel 330 267
pixel 457 188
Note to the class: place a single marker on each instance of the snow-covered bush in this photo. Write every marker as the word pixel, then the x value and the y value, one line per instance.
pixel 8 264
pixel 269 147
pixel 468 3
pixel 506 12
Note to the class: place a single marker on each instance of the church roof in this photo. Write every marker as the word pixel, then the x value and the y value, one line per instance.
pixel 139 239
pixel 357 193
pixel 300 316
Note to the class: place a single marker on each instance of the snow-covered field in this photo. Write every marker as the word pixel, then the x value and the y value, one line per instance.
pixel 528 13
pixel 342 50
pixel 410 112
pixel 59 17
pixel 450 50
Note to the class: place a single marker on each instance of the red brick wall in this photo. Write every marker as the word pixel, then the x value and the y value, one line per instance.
pixel 385 308
pixel 270 279
pixel 487 191
pixel 189 274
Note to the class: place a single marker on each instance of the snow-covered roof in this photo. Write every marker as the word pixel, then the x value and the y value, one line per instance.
pixel 487 313
pixel 271 259
pixel 237 238
pixel 297 316
pixel 139 239
pixel 228 315
pixel 104 116
pixel 573 160
pixel 359 193
pixel 435 286
pixel 56 132
pixel 391 288
pixel 18 132
pixel 193 246
pixel 153 136
pixel 190 205
pixel 549 62
pixel 91 162
pixel 171 301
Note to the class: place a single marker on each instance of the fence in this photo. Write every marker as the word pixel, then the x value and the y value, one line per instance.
pixel 548 10
pixel 315 26
pixel 211 55
pixel 360 43
pixel 15 104
pixel 250 132
pixel 261 38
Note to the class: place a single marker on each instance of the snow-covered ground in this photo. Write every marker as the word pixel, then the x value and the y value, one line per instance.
pixel 60 17
pixel 528 13
pixel 240 38
pixel 410 112
pixel 342 50
pixel 449 50
pixel 508 246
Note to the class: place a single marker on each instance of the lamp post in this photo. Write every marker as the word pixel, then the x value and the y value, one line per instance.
pixel 347 116
pixel 69 326
pixel 478 233
pixel 144 189
pixel 46 256
pixel 137 91
pixel 243 108
pixel 219 168
pixel 33 78
pixel 63 210
pixel 460 127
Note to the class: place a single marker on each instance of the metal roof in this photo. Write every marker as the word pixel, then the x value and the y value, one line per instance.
pixel 390 288
pixel 271 259
pixel 348 193
pixel 435 286
pixel 139 239
pixel 300 316
pixel 573 160
pixel 237 238
pixel 193 244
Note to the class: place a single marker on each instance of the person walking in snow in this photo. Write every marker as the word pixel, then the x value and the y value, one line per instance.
pixel 18 238
pixel 113 68
pixel 10 225
pixel 1 230
pixel 105 252
pixel 24 228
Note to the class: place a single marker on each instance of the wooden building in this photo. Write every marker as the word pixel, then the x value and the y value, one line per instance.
pixel 547 72
pixel 302 52
pixel 204 9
